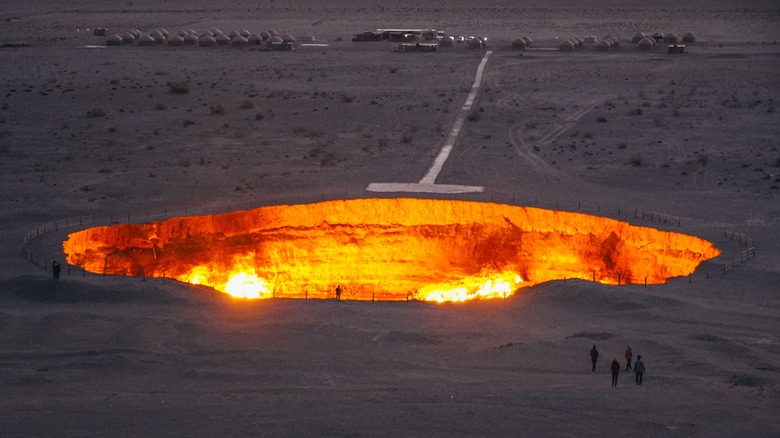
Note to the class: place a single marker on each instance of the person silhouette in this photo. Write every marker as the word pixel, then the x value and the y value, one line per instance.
pixel 615 371
pixel 639 369
pixel 629 354
pixel 55 269
pixel 338 293
pixel 594 356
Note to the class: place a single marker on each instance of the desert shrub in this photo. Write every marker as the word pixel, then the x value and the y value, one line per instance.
pixel 298 129
pixel 179 87
pixel 346 98
pixel 247 104
pixel 159 107
pixel 313 133
pixel 328 159
pixel 393 70
pixel 96 112
pixel 474 116
pixel 622 145
pixel 259 116
pixel 406 139
pixel 587 135
pixel 636 112
pixel 187 123
pixel 676 112
pixel 383 143
pixel 704 159
pixel 530 125
pixel 601 119
pixel 635 160
pixel 217 109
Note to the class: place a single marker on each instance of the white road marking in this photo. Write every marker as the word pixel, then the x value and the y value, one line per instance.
pixel 428 183
pixel 423 188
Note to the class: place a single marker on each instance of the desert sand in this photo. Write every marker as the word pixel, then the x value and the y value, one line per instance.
pixel 94 134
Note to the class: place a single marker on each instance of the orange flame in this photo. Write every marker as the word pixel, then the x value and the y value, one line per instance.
pixel 388 249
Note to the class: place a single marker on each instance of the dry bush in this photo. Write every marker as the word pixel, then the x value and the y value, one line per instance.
pixel 179 87
pixel 96 112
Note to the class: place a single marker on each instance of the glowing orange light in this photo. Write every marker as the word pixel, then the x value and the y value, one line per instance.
pixel 388 249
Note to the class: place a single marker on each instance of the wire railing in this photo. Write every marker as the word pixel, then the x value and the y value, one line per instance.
pixel 711 269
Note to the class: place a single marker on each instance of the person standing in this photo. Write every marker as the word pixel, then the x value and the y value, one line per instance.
pixel 594 356
pixel 639 369
pixel 629 354
pixel 55 270
pixel 615 371
pixel 338 292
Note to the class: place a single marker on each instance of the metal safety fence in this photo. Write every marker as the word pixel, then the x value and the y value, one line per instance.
pixel 43 257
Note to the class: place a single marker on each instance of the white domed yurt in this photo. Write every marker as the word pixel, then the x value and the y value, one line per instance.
pixel 239 41
pixel 222 40
pixel 244 33
pixel 146 40
pixel 114 40
pixel 689 38
pixel 190 40
pixel 528 41
pixel 270 42
pixel 128 38
pixel 207 41
pixel 603 46
pixel 637 37
pixel 566 46
pixel 158 36
pixel 175 40
pixel 518 44
pixel 670 38
pixel 646 44
pixel 254 39
pixel 447 41
pixel 590 39
pixel 265 35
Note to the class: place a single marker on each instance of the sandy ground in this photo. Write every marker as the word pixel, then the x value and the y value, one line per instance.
pixel 96 132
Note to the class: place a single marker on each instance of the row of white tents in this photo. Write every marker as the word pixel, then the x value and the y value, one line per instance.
pixel 208 38
pixel 607 43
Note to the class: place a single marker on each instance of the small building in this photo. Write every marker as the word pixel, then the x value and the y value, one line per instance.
pixel 418 47
pixel 675 48
pixel 399 35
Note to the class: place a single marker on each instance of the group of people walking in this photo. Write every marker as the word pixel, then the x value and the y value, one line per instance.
pixel 639 365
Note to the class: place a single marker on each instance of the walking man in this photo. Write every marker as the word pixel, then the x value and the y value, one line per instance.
pixel 338 293
pixel 615 371
pixel 594 356
pixel 629 354
pixel 639 369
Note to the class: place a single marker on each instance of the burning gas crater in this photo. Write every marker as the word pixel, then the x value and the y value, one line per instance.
pixel 388 249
